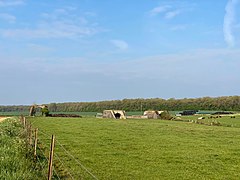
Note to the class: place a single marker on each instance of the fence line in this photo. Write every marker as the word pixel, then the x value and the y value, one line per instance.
pixel 62 164
pixel 43 154
pixel 78 162
pixel 32 142
pixel 41 167
pixel 56 173
pixel 46 135
pixel 69 154
pixel 44 168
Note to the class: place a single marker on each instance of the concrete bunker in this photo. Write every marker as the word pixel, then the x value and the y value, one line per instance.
pixel 152 114
pixel 114 114
pixel 157 115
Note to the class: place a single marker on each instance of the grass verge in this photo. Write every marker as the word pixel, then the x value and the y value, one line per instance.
pixel 15 162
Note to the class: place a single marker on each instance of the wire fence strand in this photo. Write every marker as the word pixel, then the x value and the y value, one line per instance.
pixel 77 161
pixel 47 136
pixel 58 158
pixel 56 173
pixel 42 167
pixel 69 154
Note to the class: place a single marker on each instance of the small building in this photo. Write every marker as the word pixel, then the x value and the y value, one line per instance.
pixel 114 114
pixel 157 115
pixel 152 114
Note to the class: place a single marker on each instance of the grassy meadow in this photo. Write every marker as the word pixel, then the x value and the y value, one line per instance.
pixel 14 113
pixel 144 149
pixel 226 120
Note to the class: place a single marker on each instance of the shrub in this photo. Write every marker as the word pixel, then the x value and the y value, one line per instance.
pixel 165 115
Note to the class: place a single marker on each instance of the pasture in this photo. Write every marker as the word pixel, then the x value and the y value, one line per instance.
pixel 144 149
pixel 225 121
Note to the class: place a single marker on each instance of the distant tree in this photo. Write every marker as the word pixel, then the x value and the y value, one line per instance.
pixel 45 111
pixel 53 107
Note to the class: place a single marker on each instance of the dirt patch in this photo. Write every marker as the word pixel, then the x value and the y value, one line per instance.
pixel 3 118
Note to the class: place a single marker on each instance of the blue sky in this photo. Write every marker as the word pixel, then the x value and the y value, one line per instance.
pixel 91 50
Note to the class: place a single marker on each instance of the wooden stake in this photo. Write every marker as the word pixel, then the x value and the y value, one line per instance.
pixel 51 158
pixel 21 119
pixel 35 142
pixel 30 134
pixel 27 133
pixel 24 122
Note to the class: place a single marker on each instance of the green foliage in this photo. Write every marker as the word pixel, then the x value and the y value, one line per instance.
pixel 165 115
pixel 13 161
pixel 146 149
pixel 230 103
pixel 45 111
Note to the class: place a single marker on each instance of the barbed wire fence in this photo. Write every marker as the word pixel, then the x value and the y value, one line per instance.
pixel 51 163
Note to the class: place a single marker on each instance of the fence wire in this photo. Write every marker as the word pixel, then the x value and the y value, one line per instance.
pixel 77 161
pixel 63 164
pixel 45 138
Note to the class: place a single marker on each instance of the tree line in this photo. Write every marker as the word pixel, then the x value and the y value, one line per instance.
pixel 226 103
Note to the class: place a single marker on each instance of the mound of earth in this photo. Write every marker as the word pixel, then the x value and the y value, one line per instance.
pixel 221 113
pixel 65 115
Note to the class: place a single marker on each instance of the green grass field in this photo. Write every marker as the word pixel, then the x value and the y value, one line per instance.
pixel 226 121
pixel 144 149
pixel 14 113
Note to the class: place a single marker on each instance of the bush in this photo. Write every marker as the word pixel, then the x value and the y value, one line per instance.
pixel 165 115
pixel 45 111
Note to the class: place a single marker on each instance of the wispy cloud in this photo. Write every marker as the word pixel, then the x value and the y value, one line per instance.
pixel 5 3
pixel 170 10
pixel 172 14
pixel 80 73
pixel 122 45
pixel 160 9
pixel 7 17
pixel 55 30
pixel 39 48
pixel 61 23
pixel 229 20
pixel 200 57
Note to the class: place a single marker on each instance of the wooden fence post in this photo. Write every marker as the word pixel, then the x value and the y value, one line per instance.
pixel 51 158
pixel 27 132
pixel 21 119
pixel 35 142
pixel 30 134
pixel 24 122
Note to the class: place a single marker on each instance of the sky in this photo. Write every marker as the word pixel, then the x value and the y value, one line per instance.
pixel 91 50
